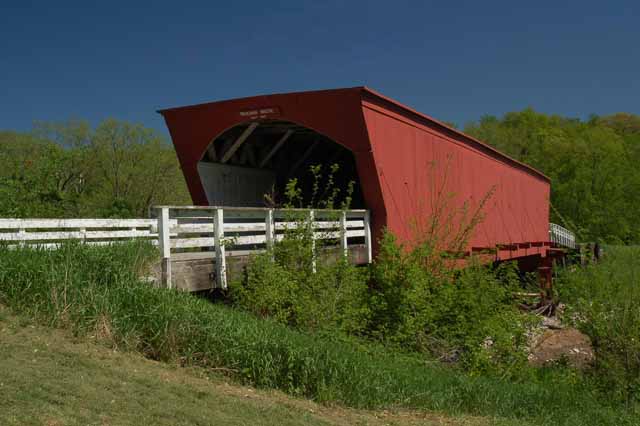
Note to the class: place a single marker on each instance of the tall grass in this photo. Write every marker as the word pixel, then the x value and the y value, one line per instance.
pixel 95 291
pixel 603 300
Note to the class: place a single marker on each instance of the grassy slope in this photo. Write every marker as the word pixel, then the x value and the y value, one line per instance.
pixel 47 377
pixel 94 290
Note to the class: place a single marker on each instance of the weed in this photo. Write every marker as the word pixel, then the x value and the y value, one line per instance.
pixel 602 301
pixel 101 285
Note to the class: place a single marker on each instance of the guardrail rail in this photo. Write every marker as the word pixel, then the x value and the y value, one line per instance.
pixel 561 236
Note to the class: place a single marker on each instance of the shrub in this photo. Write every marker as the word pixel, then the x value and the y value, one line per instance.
pixel 280 284
pixel 302 281
pixel 465 314
pixel 415 297
pixel 602 301
pixel 165 324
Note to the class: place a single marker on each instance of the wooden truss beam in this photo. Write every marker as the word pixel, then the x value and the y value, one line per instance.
pixel 275 148
pixel 213 157
pixel 303 158
pixel 241 139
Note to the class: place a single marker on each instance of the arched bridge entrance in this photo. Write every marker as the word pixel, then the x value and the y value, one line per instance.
pixel 250 165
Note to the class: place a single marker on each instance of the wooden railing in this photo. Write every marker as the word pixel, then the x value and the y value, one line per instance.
pixel 561 236
pixel 219 232
pixel 188 232
pixel 51 232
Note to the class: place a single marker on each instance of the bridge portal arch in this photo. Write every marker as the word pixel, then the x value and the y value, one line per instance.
pixel 250 164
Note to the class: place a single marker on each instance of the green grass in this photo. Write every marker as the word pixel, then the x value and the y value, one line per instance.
pixel 94 291
pixel 49 378
pixel 603 300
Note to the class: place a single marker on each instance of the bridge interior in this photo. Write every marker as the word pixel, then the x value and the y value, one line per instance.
pixel 250 165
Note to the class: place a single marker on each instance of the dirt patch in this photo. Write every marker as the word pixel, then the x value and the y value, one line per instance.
pixel 556 345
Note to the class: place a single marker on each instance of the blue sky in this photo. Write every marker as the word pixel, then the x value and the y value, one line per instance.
pixel 454 60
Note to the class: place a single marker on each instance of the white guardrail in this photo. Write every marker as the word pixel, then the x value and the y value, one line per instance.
pixel 561 236
pixel 184 232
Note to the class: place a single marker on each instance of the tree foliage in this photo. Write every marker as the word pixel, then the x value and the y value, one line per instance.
pixel 68 169
pixel 595 181
pixel 119 169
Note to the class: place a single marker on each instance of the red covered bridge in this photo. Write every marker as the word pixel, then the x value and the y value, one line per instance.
pixel 233 152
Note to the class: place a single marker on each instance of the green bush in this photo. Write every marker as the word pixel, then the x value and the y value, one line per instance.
pixel 413 305
pixel 94 291
pixel 419 301
pixel 281 284
pixel 603 301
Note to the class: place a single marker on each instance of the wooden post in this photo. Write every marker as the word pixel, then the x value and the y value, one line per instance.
pixel 545 276
pixel 269 227
pixel 312 218
pixel 165 246
pixel 343 235
pixel 22 235
pixel 218 236
pixel 367 236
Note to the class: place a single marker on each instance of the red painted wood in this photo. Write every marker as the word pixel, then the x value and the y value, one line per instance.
pixel 403 159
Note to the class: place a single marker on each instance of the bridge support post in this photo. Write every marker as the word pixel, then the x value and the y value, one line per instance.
pixel 545 276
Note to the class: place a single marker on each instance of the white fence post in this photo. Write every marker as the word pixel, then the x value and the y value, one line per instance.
pixel 269 226
pixel 344 244
pixel 313 240
pixel 22 234
pixel 218 236
pixel 367 236
pixel 164 241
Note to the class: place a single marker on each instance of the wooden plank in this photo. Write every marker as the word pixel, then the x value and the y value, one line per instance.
pixel 284 226
pixel 505 247
pixel 74 223
pixel 192 242
pixel 54 246
pixel 326 235
pixel 210 255
pixel 249 239
pixel 275 148
pixel 227 209
pixel 234 147
pixel 74 235
pixel 193 273
pixel 355 223
pixel 192 228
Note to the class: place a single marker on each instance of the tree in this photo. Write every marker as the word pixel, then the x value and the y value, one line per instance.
pixel 592 166
pixel 69 170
